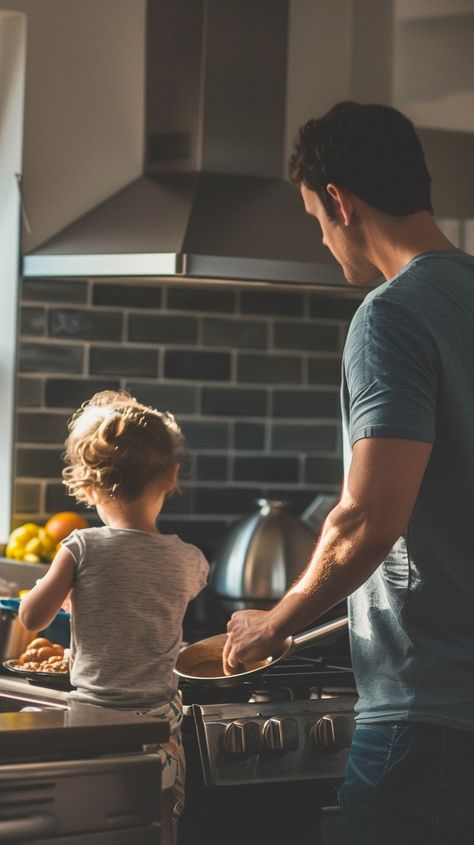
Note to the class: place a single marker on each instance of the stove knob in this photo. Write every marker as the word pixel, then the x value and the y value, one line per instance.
pixel 332 732
pixel 281 734
pixel 243 737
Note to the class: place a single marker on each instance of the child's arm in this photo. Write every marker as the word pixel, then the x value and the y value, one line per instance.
pixel 40 606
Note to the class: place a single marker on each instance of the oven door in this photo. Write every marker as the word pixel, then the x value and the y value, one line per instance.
pixel 111 800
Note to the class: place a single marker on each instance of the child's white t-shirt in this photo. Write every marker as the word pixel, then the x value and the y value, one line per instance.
pixel 130 593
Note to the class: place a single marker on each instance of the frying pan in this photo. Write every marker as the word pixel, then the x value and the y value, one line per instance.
pixel 201 662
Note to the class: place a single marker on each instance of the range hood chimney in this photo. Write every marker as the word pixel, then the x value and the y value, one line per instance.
pixel 212 203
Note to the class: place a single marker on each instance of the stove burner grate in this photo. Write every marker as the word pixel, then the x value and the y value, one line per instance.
pixel 295 678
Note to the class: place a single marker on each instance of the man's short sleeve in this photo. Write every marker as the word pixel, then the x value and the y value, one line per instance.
pixel 390 373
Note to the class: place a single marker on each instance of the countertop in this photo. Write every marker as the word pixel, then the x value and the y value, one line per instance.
pixel 67 727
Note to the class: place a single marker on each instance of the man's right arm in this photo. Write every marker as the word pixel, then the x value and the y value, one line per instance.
pixel 375 508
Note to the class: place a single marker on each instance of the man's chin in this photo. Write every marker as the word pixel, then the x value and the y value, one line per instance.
pixel 369 277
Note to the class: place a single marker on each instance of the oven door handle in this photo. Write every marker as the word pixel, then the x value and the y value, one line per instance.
pixel 27 828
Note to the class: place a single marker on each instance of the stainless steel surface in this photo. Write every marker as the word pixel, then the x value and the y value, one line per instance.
pixel 212 203
pixel 21 573
pixel 15 687
pixel 210 651
pixel 103 800
pixel 261 557
pixel 272 742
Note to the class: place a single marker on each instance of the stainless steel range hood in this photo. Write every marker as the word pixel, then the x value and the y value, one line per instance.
pixel 212 203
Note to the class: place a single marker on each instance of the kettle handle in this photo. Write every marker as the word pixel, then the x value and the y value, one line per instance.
pixel 300 641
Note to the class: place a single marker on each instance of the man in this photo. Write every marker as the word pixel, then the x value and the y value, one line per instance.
pixel 400 543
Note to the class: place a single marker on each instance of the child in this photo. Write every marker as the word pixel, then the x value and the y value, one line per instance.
pixel 130 584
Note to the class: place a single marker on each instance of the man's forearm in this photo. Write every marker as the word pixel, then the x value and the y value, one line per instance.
pixel 348 551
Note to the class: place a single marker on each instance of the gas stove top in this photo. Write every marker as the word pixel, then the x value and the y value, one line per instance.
pixel 294 723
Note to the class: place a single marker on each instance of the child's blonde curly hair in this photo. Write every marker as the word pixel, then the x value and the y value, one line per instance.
pixel 119 447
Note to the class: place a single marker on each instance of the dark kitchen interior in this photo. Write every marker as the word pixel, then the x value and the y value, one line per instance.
pixel 165 252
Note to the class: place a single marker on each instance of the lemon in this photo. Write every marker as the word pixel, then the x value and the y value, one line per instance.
pixel 30 558
pixel 48 543
pixel 33 546
pixel 32 543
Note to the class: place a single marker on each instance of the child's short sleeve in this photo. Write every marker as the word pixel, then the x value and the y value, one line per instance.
pixel 75 545
pixel 202 572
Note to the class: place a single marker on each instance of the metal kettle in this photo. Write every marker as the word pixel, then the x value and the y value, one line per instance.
pixel 262 556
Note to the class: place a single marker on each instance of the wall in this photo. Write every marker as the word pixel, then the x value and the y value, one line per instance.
pixel 252 375
pixel 84 106
pixel 12 81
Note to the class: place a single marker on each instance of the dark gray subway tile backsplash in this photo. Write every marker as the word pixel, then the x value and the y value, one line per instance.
pixel 252 376
pixel 271 368
pixel 32 321
pixel 212 467
pixel 271 468
pixel 41 427
pixel 196 299
pixel 176 398
pixel 305 404
pixel 122 295
pixel 123 361
pixel 271 303
pixel 192 364
pixel 82 324
pixel 312 337
pixel 68 291
pixel 71 393
pixel 249 436
pixel 324 370
pixel 29 391
pixel 206 434
pixel 329 307
pixel 303 437
pixel 233 401
pixel 38 463
pixel 50 358
pixel 27 497
pixel 162 329
pixel 235 333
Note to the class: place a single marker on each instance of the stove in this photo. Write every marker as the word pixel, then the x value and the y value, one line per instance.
pixel 275 750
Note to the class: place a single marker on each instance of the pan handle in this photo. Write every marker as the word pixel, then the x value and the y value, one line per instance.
pixel 300 641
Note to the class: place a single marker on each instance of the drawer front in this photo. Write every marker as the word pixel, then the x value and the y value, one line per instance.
pixel 63 801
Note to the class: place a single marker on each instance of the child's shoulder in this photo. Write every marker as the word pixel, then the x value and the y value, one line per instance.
pixel 85 535
pixel 184 547
pixel 173 539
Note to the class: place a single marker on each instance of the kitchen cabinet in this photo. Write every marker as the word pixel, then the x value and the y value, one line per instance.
pixel 72 773
pixel 432 59
pixel 433 84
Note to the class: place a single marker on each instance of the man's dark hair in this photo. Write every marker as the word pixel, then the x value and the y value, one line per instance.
pixel 371 150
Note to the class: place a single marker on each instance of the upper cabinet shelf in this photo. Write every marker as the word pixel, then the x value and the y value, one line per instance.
pixel 433 78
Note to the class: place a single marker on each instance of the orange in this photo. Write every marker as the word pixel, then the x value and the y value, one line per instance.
pixel 61 524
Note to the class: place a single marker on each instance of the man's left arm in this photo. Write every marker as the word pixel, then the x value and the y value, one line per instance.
pixel 376 504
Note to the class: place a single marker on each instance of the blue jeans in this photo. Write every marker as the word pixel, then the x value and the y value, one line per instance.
pixel 409 783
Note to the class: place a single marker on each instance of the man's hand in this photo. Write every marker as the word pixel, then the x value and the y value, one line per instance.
pixel 249 638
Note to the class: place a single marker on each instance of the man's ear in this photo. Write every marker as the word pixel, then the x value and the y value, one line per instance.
pixel 342 202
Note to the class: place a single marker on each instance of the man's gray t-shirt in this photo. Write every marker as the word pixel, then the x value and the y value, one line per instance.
pixel 130 593
pixel 408 372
